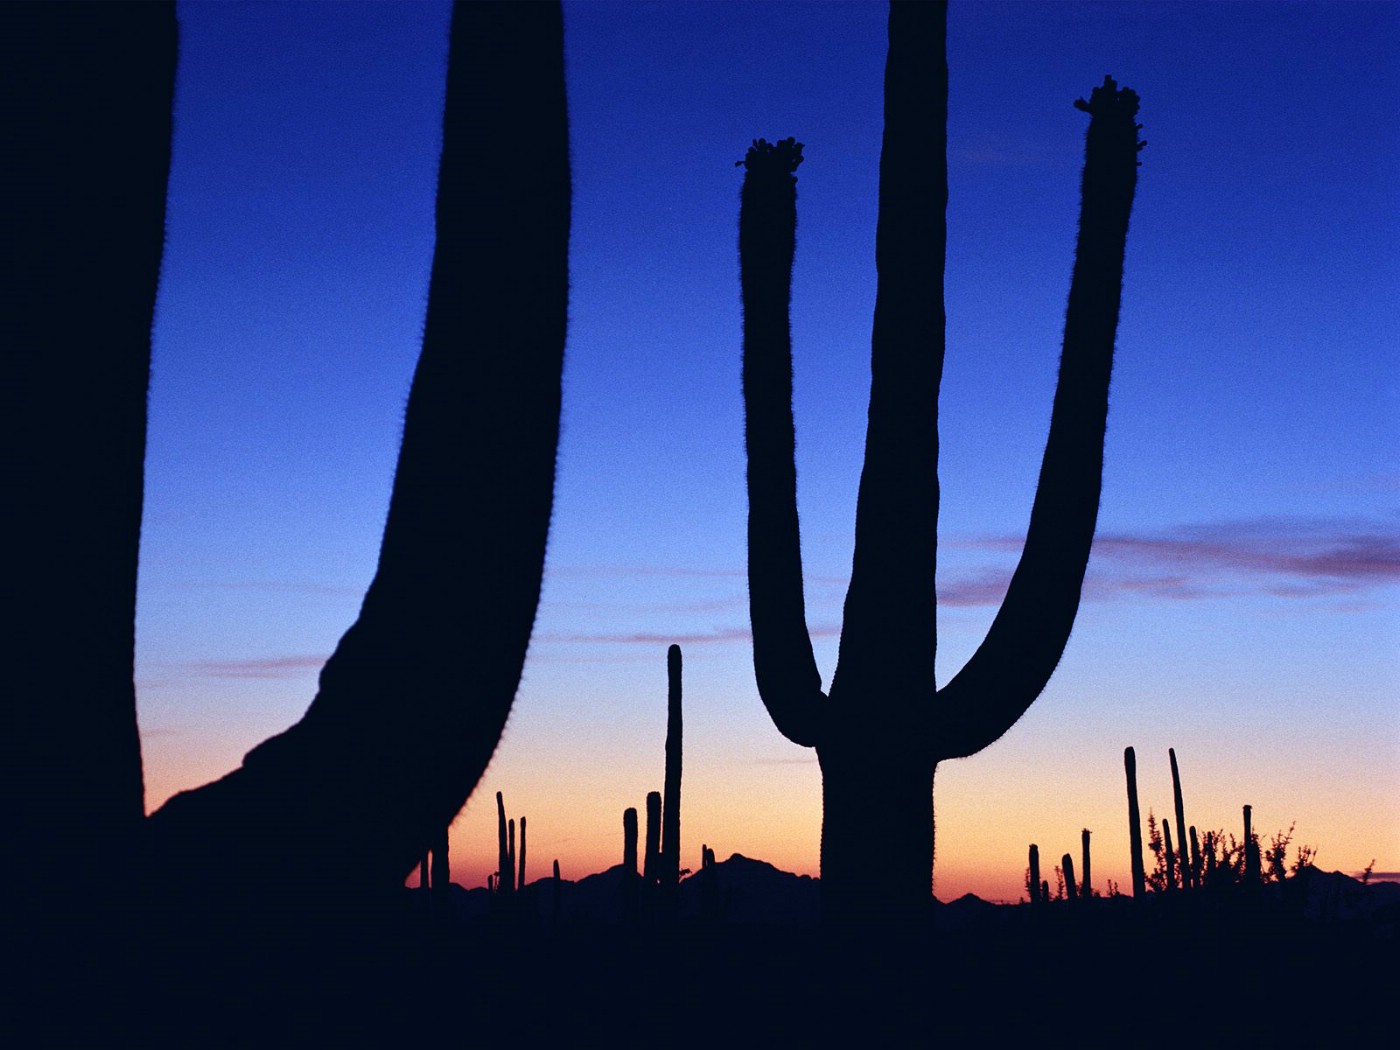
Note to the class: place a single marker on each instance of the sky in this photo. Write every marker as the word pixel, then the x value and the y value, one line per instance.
pixel 1242 603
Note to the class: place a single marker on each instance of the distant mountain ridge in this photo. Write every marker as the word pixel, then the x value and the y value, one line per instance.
pixel 743 891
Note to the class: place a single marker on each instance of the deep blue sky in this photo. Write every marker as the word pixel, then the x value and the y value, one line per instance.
pixel 1241 605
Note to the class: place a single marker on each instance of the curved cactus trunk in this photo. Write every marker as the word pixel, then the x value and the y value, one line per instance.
pixel 413 700
pixel 88 91
pixel 884 726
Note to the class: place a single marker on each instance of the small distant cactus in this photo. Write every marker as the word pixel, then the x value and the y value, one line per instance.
pixel 629 840
pixel 505 870
pixel 1134 825
pixel 1087 883
pixel 1184 864
pixel 510 859
pixel 671 820
pixel 1169 856
pixel 520 880
pixel 651 861
pixel 1071 890
pixel 1252 873
pixel 1033 879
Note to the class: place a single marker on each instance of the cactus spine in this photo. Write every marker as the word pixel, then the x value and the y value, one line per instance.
pixel 1134 825
pixel 884 726
pixel 1184 859
pixel 671 820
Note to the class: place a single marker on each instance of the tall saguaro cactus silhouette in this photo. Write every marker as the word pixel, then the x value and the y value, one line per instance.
pixel 884 726
pixel 412 702
pixel 88 92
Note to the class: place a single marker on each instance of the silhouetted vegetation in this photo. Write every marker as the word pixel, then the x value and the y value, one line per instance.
pixel 884 727
pixel 259 947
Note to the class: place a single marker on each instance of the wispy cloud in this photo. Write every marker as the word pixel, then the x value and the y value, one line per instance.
pixel 1284 558
pixel 260 667
pixel 1288 559
pixel 716 634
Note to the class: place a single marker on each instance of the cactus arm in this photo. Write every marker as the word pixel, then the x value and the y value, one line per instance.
pixel 784 665
pixel 412 702
pixel 889 633
pixel 1028 635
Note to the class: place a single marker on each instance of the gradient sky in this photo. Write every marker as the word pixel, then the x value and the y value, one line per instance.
pixel 1241 603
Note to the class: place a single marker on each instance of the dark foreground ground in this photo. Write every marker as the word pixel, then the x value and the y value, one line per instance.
pixel 1172 973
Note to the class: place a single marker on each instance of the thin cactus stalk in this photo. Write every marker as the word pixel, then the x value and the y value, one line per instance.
pixel 510 860
pixel 412 702
pixel 671 818
pixel 1067 864
pixel 1034 861
pixel 1168 855
pixel 1134 825
pixel 884 726
pixel 629 840
pixel 558 893
pixel 1251 850
pixel 1087 884
pixel 520 879
pixel 1209 850
pixel 1184 859
pixel 504 884
pixel 1195 860
pixel 651 860
pixel 1045 891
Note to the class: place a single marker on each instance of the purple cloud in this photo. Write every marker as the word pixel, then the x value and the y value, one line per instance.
pixel 262 667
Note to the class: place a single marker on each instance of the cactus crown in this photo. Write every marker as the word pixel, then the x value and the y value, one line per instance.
pixel 773 158
pixel 1115 105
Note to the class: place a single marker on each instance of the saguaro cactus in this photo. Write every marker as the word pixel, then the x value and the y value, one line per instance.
pixel 1252 873
pixel 1034 862
pixel 520 879
pixel 412 702
pixel 883 728
pixel 629 840
pixel 1067 865
pixel 86 122
pixel 1169 856
pixel 1087 882
pixel 671 811
pixel 505 877
pixel 651 861
pixel 1184 856
pixel 1134 825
